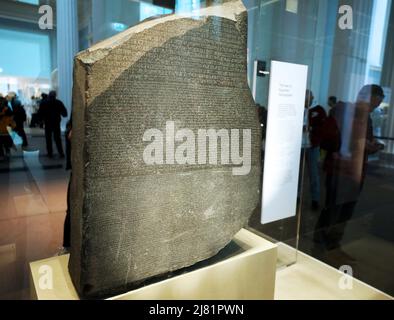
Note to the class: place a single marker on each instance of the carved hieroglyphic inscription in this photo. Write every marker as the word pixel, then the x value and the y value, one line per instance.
pixel 132 221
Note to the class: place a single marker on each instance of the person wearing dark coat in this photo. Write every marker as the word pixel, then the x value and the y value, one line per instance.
pixel 347 137
pixel 51 111
pixel 19 114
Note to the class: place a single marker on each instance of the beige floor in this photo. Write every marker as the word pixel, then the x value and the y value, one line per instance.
pixel 32 211
pixel 310 279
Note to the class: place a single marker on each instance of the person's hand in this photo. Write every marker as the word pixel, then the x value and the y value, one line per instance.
pixel 69 135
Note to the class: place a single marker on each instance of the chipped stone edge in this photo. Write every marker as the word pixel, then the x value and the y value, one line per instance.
pixel 229 10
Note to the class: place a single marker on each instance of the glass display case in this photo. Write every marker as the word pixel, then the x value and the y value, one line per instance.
pixel 311 80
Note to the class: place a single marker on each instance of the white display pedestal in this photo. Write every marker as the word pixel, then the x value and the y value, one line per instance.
pixel 248 274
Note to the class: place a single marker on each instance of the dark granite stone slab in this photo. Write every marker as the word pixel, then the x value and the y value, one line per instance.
pixel 132 221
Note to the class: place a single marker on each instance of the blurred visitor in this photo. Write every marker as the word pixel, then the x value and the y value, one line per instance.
pixel 332 102
pixel 316 117
pixel 348 139
pixel 51 111
pixel 6 121
pixel 36 120
pixel 10 97
pixel 19 114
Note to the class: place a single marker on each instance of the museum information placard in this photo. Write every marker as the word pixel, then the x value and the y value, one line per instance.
pixel 283 141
